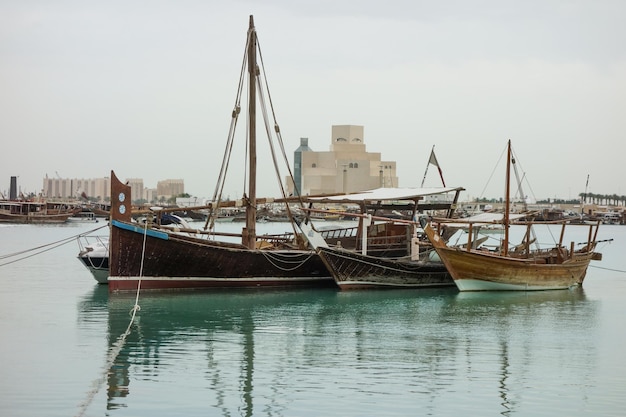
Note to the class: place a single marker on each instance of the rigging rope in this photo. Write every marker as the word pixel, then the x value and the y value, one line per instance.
pixel 219 187
pixel 279 140
pixel 482 194
pixel 261 77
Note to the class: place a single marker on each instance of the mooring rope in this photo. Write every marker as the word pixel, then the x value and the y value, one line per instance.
pixel 114 351
pixel 116 348
pixel 44 248
pixel 608 269
pixel 143 256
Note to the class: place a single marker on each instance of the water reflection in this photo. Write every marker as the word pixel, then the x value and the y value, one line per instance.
pixel 531 329
pixel 281 352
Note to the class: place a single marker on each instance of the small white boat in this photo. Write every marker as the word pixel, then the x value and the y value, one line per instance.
pixel 94 255
pixel 84 217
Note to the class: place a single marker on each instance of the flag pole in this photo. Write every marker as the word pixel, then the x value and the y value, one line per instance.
pixel 432 159
pixel 427 164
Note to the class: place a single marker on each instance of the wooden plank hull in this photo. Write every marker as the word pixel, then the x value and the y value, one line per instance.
pixel 172 261
pixel 34 218
pixel 34 212
pixel 352 270
pixel 168 260
pixel 476 270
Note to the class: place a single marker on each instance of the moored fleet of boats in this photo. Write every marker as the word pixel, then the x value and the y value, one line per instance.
pixel 36 212
pixel 403 237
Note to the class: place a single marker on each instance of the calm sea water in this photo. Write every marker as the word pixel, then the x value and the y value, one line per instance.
pixel 305 352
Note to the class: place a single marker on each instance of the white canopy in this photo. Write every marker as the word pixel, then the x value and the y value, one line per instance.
pixel 486 218
pixel 386 194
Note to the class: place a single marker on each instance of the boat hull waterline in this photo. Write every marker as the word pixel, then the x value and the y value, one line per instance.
pixel 175 261
pixel 478 272
pixel 518 267
pixel 352 270
pixel 150 257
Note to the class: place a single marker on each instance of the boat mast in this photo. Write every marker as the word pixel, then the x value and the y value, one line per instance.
pixel 507 201
pixel 252 72
pixel 584 199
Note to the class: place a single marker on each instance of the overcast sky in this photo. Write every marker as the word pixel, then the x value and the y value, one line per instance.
pixel 147 87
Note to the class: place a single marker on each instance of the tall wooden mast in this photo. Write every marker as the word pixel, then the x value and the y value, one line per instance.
pixel 252 72
pixel 507 201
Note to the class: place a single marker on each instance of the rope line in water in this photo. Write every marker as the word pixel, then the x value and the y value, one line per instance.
pixel 143 255
pixel 116 348
pixel 114 351
pixel 44 248
pixel 608 269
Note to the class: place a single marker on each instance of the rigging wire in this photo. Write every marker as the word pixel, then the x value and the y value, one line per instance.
pixel 482 194
pixel 523 179
pixel 276 127
pixel 219 187
pixel 262 90
pixel 280 141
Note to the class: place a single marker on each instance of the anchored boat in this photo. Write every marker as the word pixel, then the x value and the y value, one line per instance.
pixel 519 267
pixel 372 263
pixel 155 257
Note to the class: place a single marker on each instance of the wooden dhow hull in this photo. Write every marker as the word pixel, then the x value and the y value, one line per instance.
pixel 477 270
pixel 35 218
pixel 53 219
pixel 516 267
pixel 352 270
pixel 163 260
pixel 35 212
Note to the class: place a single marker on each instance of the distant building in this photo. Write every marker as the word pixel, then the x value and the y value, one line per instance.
pixel 346 167
pixel 100 189
pixel 170 188
pixel 150 194
pixel 136 188
pixel 13 189
pixel 297 165
pixel 69 188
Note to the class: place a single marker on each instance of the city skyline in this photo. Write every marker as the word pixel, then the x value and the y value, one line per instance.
pixel 87 89
pixel 611 199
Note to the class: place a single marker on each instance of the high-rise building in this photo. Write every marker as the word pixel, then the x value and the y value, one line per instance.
pixel 68 188
pixel 100 188
pixel 136 188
